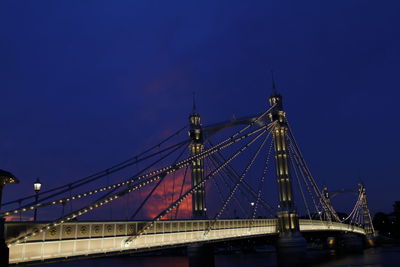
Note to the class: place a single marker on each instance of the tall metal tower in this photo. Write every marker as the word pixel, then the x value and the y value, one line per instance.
pixel 287 214
pixel 196 146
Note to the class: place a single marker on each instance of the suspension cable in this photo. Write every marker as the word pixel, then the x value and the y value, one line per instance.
pixel 305 180
pixel 88 193
pixel 261 185
pixel 234 189
pixel 154 188
pixel 322 198
pixel 97 175
pixel 189 192
pixel 300 187
pixel 215 165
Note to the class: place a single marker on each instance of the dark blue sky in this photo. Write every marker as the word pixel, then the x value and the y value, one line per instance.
pixel 85 84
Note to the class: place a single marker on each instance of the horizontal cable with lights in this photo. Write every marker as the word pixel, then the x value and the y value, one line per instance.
pixel 99 174
pixel 88 193
pixel 234 189
pixel 233 175
pixel 154 188
pixel 262 181
pixel 191 191
pixel 215 165
pixel 151 177
pixel 292 155
pixel 298 154
pixel 180 164
pixel 300 187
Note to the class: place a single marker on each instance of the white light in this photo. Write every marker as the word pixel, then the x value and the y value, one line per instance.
pixel 37 185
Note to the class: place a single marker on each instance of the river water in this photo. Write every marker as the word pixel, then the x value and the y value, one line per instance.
pixel 374 257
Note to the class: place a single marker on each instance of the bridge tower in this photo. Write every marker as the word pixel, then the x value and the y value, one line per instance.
pixel 368 226
pixel 291 244
pixel 287 214
pixel 196 146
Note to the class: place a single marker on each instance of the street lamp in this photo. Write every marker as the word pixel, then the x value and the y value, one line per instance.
pixel 36 186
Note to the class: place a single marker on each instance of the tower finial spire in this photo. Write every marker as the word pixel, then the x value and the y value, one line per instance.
pixel 194 102
pixel 273 82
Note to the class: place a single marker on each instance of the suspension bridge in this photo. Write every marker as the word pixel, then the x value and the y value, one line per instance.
pixel 201 181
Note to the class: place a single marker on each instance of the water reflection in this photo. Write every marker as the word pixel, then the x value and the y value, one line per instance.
pixel 385 257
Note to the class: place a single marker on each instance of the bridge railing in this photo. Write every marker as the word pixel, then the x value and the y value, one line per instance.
pixel 85 238
pixel 314 225
pixel 77 230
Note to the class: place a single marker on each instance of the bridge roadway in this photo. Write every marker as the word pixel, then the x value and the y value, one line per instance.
pixel 79 239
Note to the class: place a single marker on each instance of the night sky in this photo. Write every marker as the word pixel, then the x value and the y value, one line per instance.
pixel 86 84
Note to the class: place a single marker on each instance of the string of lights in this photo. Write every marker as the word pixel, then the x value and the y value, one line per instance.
pixel 151 177
pixel 299 184
pixel 100 174
pixel 303 175
pixel 65 200
pixel 326 206
pixel 233 191
pixel 190 192
pixel 262 180
pixel 221 174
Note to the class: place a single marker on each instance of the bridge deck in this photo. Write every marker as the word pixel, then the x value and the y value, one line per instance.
pixel 87 238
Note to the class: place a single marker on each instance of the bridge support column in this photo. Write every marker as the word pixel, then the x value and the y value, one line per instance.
pixel 4 250
pixel 291 246
pixel 331 242
pixel 196 146
pixel 201 255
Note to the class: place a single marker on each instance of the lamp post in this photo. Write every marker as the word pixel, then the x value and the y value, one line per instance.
pixel 36 186
pixel 6 178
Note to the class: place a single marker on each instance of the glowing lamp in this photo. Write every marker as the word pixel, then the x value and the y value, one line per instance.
pixel 37 185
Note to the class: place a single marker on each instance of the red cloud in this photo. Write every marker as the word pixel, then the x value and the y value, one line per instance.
pixel 16 218
pixel 167 192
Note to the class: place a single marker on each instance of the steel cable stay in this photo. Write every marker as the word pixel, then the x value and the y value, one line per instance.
pixel 307 175
pixel 298 154
pixel 100 174
pixel 169 169
pixel 218 187
pixel 77 213
pixel 324 202
pixel 355 218
pixel 292 154
pixel 69 188
pixel 155 187
pixel 65 200
pixel 262 180
pixel 181 190
pixel 356 207
pixel 300 187
pixel 230 180
pixel 188 193
pixel 234 189
pixel 118 167
pixel 151 177
pixel 213 163
pixel 149 166
pixel 233 176
pixel 231 173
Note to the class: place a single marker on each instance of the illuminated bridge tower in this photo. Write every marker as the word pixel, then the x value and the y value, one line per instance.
pixel 287 215
pixel 196 146
pixel 291 241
